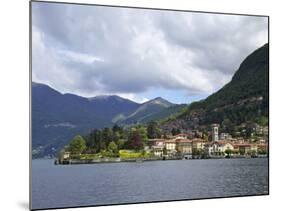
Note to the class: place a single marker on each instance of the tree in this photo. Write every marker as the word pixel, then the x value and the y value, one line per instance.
pixel 77 145
pixel 241 151
pixel 116 128
pixel 197 152
pixel 165 151
pixel 93 138
pixel 120 144
pixel 153 130
pixel 112 148
pixel 107 137
pixel 174 131
pixel 205 136
pixel 143 134
pixel 253 153
pixel 94 141
pixel 262 151
pixel 135 139
pixel 228 152
pixel 249 130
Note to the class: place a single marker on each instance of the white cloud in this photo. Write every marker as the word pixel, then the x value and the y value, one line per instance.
pixel 102 50
pixel 132 97
pixel 79 57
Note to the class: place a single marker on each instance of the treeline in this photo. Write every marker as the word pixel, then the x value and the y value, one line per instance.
pixel 109 141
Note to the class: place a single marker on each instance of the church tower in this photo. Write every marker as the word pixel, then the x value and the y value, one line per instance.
pixel 215 132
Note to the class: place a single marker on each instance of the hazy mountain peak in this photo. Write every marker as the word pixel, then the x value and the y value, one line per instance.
pixel 99 97
pixel 159 101
pixel 109 98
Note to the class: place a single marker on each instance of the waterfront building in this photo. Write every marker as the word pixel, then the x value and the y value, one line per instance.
pixel 254 147
pixel 158 147
pixel 198 144
pixel 227 146
pixel 170 147
pixel 243 148
pixel 170 144
pixel 158 150
pixel 156 141
pixel 66 155
pixel 184 147
pixel 216 148
pixel 262 147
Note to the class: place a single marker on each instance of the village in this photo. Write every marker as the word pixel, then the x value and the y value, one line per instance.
pixel 188 146
pixel 182 146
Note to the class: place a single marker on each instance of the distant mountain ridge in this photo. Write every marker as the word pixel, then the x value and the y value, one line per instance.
pixel 57 117
pixel 147 110
pixel 109 106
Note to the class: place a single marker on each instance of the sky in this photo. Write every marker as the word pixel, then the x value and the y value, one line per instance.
pixel 139 54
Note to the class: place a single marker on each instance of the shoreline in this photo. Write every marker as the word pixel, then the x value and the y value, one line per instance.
pixel 118 160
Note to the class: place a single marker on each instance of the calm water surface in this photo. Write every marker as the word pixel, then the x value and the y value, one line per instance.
pixel 97 184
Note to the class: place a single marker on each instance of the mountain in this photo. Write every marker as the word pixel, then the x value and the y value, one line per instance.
pixel 244 99
pixel 57 117
pixel 112 106
pixel 164 113
pixel 146 110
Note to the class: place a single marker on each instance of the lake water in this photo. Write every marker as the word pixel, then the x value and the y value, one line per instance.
pixel 98 184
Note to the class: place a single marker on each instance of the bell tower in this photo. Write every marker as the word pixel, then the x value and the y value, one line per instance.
pixel 215 132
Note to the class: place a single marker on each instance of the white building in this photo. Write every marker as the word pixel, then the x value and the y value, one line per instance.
pixel 170 145
pixel 158 147
pixel 218 148
pixel 225 136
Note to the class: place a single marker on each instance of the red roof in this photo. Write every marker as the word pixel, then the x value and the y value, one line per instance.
pixel 242 145
pixel 183 134
pixel 170 141
pixel 184 140
pixel 199 140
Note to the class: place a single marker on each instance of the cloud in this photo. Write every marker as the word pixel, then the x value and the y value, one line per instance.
pixel 79 57
pixel 91 50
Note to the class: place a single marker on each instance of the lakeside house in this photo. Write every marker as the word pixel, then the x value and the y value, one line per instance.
pixel 184 148
pixel 244 148
pixel 171 147
pixel 218 148
pixel 158 148
pixel 66 155
pixel 198 144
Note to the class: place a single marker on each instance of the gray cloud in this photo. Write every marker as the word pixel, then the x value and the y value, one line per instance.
pixel 91 50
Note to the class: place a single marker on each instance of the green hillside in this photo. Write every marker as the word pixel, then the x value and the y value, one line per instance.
pixel 244 99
